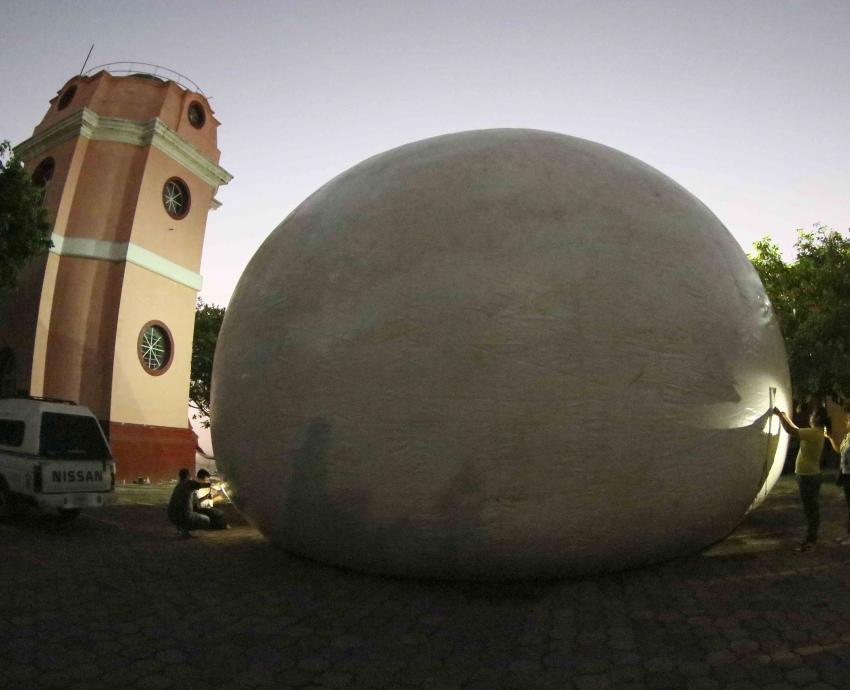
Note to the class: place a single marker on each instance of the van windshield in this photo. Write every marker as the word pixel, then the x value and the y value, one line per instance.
pixel 72 437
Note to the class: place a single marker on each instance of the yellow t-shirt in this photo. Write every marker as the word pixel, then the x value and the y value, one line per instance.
pixel 808 457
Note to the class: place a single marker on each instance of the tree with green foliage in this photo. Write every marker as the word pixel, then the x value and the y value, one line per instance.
pixel 24 228
pixel 208 318
pixel 811 299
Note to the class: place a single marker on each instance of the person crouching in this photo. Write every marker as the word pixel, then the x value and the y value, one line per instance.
pixel 180 511
pixel 204 500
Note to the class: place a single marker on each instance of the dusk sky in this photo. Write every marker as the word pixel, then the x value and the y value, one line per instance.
pixel 746 104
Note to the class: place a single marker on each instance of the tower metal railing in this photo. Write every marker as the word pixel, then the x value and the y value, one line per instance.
pixel 149 70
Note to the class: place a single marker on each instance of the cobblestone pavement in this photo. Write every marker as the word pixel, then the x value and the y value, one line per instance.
pixel 118 600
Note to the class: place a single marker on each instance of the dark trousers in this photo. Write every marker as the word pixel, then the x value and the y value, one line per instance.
pixel 190 521
pixel 217 519
pixel 809 492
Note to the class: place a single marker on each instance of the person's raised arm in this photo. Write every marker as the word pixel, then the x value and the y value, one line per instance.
pixel 786 423
pixel 835 446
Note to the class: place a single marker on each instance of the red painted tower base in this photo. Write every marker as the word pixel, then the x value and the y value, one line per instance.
pixel 153 452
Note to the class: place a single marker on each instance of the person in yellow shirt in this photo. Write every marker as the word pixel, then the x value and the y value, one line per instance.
pixel 807 467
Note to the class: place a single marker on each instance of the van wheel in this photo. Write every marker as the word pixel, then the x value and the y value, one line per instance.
pixel 10 507
pixel 68 514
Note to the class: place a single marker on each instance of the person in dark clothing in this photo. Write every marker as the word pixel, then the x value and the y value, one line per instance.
pixel 843 478
pixel 204 500
pixel 180 511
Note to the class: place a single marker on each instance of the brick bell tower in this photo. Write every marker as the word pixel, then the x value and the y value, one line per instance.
pixel 129 164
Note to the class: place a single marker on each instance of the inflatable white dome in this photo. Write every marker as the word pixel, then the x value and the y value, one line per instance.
pixel 498 354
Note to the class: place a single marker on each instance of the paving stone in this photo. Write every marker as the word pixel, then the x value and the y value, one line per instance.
pixel 824 660
pixel 716 643
pixel 592 682
pixel 662 680
pixel 622 644
pixel 144 667
pixel 743 647
pixel 294 678
pixel 658 665
pixel 722 658
pixel 155 682
pixel 373 677
pixel 837 676
pixel 693 669
pixel 332 679
pixel 171 656
pixel 429 679
pixel 591 638
pixel 592 667
pixel 702 683
pixel 627 659
pixel 559 660
pixel 555 679
pixel 626 675
pixel 479 685
pixel 314 664
pixel 731 673
pixel 801 676
pixel 525 666
pixel 252 679
pixel 766 675
pixel 54 679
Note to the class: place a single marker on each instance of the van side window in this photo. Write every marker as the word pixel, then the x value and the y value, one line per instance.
pixel 11 432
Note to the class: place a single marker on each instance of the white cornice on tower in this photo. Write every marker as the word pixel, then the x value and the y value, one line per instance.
pixel 154 132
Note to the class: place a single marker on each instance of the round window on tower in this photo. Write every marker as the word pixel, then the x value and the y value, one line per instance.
pixel 43 172
pixel 66 98
pixel 155 348
pixel 175 198
pixel 197 116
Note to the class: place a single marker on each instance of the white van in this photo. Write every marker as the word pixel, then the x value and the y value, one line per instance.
pixel 54 455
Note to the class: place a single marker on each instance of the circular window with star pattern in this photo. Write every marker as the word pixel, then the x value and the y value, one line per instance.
pixel 175 198
pixel 155 348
